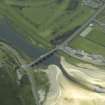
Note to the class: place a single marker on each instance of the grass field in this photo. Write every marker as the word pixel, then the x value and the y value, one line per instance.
pixel 56 17
pixel 88 46
pixel 97 36
pixel 71 20
pixel 93 42
pixel 39 22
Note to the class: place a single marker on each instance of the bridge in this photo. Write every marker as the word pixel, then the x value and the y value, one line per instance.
pixel 58 47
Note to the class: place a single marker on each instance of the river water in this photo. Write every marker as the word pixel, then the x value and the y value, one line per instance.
pixel 16 40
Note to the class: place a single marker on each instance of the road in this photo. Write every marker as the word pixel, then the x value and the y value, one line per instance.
pixel 83 26
pixel 48 54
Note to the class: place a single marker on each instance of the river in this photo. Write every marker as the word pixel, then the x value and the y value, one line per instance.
pixel 9 35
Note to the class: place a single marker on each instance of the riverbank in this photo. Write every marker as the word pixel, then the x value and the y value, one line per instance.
pixel 72 93
pixel 14 52
pixel 86 73
pixel 27 81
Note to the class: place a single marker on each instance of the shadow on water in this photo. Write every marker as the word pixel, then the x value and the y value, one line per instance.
pixel 17 41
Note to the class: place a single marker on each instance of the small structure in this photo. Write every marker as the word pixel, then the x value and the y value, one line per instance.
pixel 93 3
pixel 86 31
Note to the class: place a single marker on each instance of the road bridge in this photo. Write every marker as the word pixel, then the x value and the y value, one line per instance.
pixel 58 47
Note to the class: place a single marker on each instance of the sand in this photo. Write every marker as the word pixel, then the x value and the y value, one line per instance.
pixel 70 93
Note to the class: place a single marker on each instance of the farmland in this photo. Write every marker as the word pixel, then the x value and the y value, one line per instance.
pixel 92 42
pixel 87 45
pixel 97 36
pixel 41 22
pixel 37 34
pixel 56 17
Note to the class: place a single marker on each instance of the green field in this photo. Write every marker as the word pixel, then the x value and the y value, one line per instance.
pixel 97 36
pixel 22 25
pixel 94 42
pixel 56 17
pixel 88 46
pixel 40 22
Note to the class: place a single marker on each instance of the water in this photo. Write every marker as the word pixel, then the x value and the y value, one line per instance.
pixel 16 40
